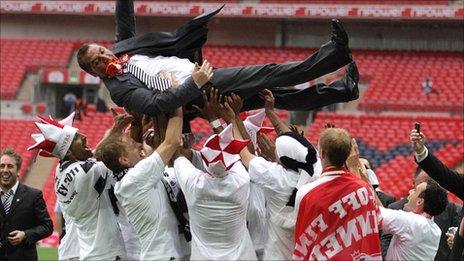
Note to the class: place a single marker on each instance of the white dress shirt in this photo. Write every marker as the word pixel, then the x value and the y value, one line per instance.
pixel 217 209
pixel 415 237
pixel 145 201
pixel 180 68
pixel 278 184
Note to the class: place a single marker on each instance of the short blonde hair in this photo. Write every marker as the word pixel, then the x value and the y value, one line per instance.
pixel 335 144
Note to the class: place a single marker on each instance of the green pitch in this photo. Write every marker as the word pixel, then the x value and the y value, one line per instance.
pixel 46 253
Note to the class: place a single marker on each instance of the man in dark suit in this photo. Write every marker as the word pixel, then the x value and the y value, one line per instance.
pixel 24 219
pixel 449 179
pixel 131 92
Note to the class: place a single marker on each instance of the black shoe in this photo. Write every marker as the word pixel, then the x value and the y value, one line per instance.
pixel 351 80
pixel 339 35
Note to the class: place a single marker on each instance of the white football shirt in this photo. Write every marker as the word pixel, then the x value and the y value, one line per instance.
pixel 145 201
pixel 82 192
pixel 217 209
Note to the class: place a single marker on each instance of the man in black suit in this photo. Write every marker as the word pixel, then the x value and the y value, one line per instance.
pixel 24 219
pixel 131 92
pixel 449 179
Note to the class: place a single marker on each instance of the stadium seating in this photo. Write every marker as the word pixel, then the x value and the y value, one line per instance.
pixel 16 134
pixel 394 78
pixel 21 55
pixel 384 141
pixel 387 2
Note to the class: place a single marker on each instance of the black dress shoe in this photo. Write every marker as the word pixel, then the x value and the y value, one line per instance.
pixel 339 35
pixel 351 80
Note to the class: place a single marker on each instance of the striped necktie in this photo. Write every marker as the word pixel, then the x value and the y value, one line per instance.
pixel 152 82
pixel 7 201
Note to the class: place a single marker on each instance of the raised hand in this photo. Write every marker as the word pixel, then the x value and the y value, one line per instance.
pixel 235 102
pixel 203 74
pixel 227 112
pixel 266 148
pixel 150 142
pixel 121 121
pixel 417 141
pixel 354 163
pixel 269 100
pixel 211 105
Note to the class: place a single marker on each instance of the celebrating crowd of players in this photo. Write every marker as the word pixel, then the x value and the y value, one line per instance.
pixel 144 194
pixel 141 195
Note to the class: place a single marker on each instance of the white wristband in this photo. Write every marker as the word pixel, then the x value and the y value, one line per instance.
pixel 215 124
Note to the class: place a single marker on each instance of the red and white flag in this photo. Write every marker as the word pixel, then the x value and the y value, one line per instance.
pixel 337 220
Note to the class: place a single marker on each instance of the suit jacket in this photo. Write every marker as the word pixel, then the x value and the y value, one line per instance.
pixel 385 198
pixel 448 179
pixel 28 213
pixel 185 42
pixel 451 181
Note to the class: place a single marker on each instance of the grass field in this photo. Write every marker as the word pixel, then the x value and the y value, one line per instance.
pixel 46 253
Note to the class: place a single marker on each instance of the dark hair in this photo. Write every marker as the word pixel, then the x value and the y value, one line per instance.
pixel 335 144
pixel 110 152
pixel 435 198
pixel 13 154
pixel 80 55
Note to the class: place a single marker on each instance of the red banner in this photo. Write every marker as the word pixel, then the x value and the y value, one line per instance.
pixel 245 10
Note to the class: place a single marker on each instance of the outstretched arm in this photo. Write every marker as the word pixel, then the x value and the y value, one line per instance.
pixel 173 137
pixel 235 102
pixel 269 101
pixel 210 110
pixel 245 154
pixel 124 19
pixel 447 178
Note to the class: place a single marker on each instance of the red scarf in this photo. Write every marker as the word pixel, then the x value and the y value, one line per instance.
pixel 338 219
pixel 116 66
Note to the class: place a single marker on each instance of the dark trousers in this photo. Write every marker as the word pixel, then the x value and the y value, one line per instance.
pixel 249 80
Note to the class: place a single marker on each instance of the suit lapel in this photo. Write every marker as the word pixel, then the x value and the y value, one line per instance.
pixel 17 199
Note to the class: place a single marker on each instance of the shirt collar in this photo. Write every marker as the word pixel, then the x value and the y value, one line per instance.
pixel 14 188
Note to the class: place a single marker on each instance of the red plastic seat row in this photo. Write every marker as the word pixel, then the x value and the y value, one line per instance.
pixel 17 55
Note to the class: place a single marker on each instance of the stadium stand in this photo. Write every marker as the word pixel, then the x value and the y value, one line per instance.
pixel 384 141
pixel 388 2
pixel 20 56
pixel 394 77
pixel 16 134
